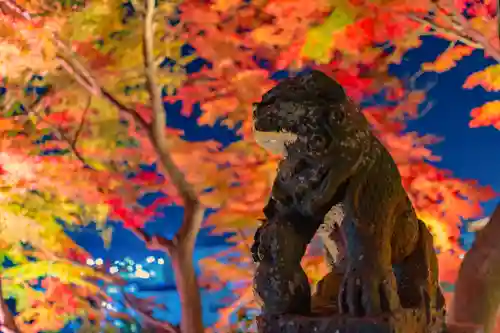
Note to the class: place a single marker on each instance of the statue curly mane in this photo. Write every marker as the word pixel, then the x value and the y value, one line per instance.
pixel 312 106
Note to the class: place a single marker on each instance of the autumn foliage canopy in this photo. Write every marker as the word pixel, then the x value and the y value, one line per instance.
pixel 83 87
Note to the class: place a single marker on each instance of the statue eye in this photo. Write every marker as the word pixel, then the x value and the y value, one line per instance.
pixel 339 115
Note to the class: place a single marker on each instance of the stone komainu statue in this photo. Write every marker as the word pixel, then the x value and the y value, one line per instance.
pixel 332 158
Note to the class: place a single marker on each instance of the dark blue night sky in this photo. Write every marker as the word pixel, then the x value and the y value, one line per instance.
pixel 469 153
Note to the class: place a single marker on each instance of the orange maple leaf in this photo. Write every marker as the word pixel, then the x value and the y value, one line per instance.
pixel 448 59
pixel 216 108
pixel 488 78
pixel 486 115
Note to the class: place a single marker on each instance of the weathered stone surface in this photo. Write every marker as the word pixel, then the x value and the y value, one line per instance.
pixel 405 321
pixel 478 306
pixel 463 328
pixel 331 157
pixel 280 282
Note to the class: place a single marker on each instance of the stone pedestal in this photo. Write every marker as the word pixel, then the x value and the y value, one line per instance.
pixel 406 321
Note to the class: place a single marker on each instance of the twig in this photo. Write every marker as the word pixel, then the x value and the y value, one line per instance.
pixel 445 31
pixel 84 78
pixel 148 318
pixel 82 122
pixel 446 12
pixel 478 37
pixel 79 78
pixel 63 137
pixel 459 29
pixel 35 109
pixel 12 5
pixel 498 19
pixel 428 107
pixel 154 242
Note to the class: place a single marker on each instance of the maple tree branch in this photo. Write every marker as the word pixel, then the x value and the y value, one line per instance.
pixel 444 30
pixel 459 29
pixel 72 142
pixel 125 109
pixel 138 7
pixel 66 64
pixel 72 146
pixel 185 238
pixel 85 79
pixel 35 110
pixel 479 38
pixel 498 19
pixel 193 212
pixel 82 122
pixel 13 6
pixel 78 71
pixel 154 242
pixel 168 327
pixel 461 23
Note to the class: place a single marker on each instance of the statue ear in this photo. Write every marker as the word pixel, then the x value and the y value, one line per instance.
pixel 323 85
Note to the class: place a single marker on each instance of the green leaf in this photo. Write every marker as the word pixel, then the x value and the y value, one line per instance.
pixel 319 41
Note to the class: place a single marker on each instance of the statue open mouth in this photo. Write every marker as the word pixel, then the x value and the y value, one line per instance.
pixel 275 142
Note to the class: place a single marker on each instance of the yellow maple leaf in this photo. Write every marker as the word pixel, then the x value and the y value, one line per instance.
pixel 488 78
pixel 486 115
pixel 319 39
pixel 439 230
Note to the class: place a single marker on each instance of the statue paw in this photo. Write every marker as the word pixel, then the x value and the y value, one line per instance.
pixel 325 299
pixel 282 290
pixel 368 292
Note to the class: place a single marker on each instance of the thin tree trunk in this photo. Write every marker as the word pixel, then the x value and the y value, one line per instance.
pixel 188 289
pixel 477 289
pixel 182 247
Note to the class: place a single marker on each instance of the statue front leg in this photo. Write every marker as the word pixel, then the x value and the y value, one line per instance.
pixel 280 282
pixel 418 281
pixel 369 286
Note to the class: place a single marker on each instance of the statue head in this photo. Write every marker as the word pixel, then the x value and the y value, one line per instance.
pixel 303 106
